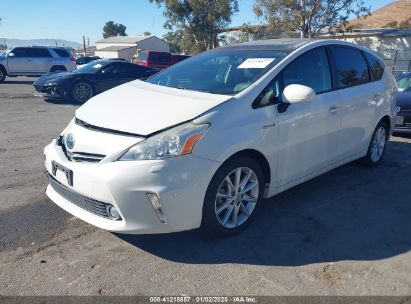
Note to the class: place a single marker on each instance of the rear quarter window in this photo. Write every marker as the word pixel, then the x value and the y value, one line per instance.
pixel 376 64
pixel 351 67
pixel 62 53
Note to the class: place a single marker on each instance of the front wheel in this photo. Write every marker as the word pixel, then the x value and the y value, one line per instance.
pixel 81 92
pixel 377 145
pixel 2 74
pixel 233 196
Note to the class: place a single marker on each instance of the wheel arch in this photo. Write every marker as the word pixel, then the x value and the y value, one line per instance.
pixel 4 68
pixel 387 120
pixel 58 66
pixel 257 156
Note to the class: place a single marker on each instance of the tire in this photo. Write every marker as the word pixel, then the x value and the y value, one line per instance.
pixel 377 145
pixel 224 210
pixel 58 69
pixel 81 92
pixel 3 74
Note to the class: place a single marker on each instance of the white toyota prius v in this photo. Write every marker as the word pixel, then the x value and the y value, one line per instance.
pixel 202 143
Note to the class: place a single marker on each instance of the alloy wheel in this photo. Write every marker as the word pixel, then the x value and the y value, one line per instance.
pixel 83 92
pixel 236 197
pixel 378 144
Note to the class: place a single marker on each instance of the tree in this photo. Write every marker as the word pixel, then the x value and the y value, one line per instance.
pixel 197 22
pixel 405 25
pixel 147 34
pixel 174 41
pixel 308 17
pixel 112 29
pixel 392 24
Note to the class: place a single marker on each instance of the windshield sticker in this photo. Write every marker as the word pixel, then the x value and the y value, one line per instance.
pixel 97 66
pixel 255 63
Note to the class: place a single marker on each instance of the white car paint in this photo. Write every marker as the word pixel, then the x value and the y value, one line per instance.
pixel 306 140
pixel 153 107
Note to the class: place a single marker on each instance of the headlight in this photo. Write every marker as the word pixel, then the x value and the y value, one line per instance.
pixel 174 142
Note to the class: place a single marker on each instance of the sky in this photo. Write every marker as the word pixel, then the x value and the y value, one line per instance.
pixel 70 20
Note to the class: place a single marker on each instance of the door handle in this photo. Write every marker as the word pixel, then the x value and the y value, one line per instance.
pixel 334 110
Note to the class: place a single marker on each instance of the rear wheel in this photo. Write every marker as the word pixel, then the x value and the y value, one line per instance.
pixel 233 196
pixel 377 145
pixel 3 74
pixel 82 91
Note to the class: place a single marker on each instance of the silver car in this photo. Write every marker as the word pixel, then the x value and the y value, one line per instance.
pixel 35 61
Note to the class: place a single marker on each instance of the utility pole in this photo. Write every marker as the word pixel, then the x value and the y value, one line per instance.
pixel 84 46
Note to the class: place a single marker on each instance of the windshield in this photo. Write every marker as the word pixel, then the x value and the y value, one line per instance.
pixel 91 67
pixel 404 82
pixel 223 71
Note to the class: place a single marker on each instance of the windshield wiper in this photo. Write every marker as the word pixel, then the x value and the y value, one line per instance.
pixel 199 90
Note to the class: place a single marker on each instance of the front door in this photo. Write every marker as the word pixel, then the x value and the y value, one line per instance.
pixel 18 61
pixel 308 133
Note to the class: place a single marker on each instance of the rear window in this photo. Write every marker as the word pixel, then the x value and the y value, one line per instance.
pixel 142 56
pixel 62 53
pixel 376 64
pixel 351 67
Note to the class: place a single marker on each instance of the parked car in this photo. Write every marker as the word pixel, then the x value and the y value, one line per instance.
pixel 158 60
pixel 35 61
pixel 403 121
pixel 89 80
pixel 86 59
pixel 202 143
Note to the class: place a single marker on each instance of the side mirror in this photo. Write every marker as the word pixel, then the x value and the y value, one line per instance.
pixel 297 93
pixel 11 55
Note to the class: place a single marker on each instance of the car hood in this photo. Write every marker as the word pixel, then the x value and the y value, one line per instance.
pixel 53 77
pixel 403 100
pixel 142 108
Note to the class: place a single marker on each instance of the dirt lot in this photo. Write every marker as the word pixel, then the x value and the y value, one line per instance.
pixel 345 233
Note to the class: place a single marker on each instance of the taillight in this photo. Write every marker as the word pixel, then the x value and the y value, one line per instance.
pixel 73 59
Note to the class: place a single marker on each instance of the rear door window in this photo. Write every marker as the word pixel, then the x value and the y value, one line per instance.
pixel 38 53
pixel 351 67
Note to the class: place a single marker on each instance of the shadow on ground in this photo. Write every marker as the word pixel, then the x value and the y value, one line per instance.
pixel 61 101
pixel 19 81
pixel 351 213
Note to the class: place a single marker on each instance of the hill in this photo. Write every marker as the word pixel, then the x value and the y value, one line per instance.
pixel 398 11
pixel 42 42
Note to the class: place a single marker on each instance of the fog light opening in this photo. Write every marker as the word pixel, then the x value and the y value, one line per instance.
pixel 155 202
pixel 113 213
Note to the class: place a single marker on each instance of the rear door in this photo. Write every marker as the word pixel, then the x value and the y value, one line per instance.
pixel 308 138
pixel 359 96
pixel 41 60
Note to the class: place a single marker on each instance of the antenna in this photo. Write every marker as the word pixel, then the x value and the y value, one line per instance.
pixel 154 29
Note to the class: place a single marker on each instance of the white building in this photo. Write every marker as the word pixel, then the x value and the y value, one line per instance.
pixel 126 46
pixel 393 45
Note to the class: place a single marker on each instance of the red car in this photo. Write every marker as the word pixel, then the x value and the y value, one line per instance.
pixel 158 60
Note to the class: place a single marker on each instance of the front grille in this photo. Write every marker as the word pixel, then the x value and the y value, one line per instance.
pixel 84 202
pixel 84 157
pixel 79 156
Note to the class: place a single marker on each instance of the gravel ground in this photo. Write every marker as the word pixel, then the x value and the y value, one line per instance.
pixel 347 232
